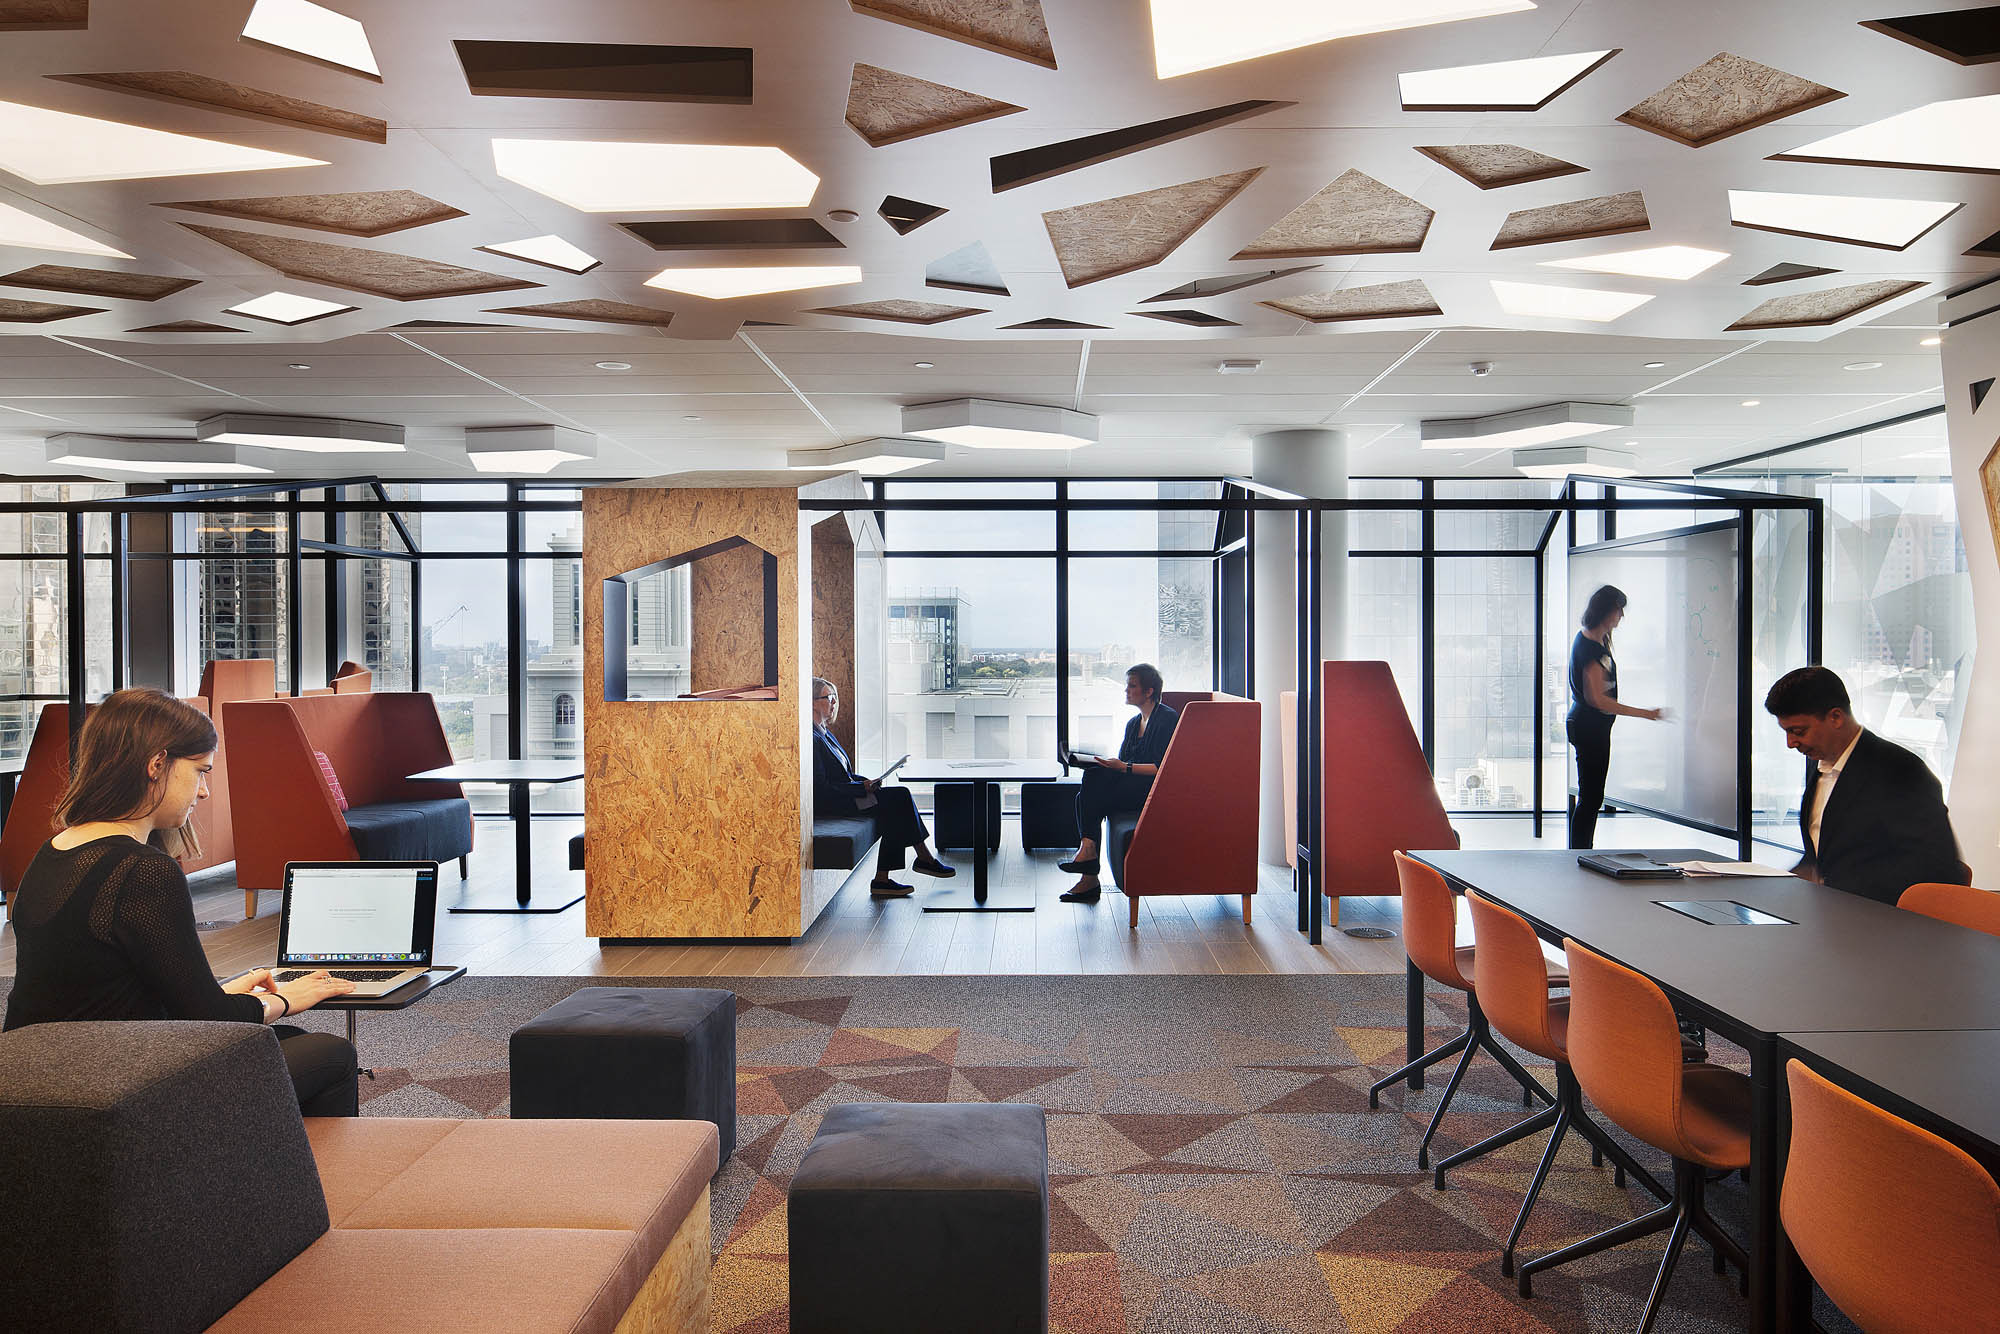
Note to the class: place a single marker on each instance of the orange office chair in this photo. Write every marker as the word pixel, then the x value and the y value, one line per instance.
pixel 1512 991
pixel 1976 908
pixel 1625 1047
pixel 1430 931
pixel 1900 1229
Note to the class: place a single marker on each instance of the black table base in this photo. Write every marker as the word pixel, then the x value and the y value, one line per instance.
pixel 520 901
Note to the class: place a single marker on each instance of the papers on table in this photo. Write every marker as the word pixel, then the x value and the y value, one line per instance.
pixel 1728 868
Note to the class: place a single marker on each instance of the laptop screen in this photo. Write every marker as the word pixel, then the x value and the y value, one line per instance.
pixel 358 912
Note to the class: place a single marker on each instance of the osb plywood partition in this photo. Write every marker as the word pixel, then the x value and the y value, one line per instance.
pixel 726 620
pixel 695 811
pixel 1989 480
pixel 833 643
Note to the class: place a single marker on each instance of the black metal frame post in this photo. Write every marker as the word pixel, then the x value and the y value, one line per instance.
pixel 121 596
pixel 1427 621
pixel 1062 640
pixel 517 633
pixel 1541 655
pixel 295 586
pixel 73 619
pixel 1745 610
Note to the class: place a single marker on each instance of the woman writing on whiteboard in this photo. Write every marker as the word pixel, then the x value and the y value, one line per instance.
pixel 1593 688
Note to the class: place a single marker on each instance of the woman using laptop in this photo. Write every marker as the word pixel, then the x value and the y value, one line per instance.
pixel 103 925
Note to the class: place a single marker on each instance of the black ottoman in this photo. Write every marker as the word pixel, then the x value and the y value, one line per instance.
pixel 951 809
pixel 630 1053
pixel 1048 814
pixel 910 1218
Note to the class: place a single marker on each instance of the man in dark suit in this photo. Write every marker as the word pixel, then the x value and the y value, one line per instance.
pixel 838 790
pixel 1120 784
pixel 1872 820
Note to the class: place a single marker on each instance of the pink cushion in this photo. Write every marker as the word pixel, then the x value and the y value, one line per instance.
pixel 332 779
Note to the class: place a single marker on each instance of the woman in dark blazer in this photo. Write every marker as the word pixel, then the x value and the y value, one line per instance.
pixel 838 790
pixel 1121 784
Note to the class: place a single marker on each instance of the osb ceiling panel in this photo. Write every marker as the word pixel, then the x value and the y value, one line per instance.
pixel 901 312
pixel 98 282
pixel 1815 309
pixel 39 312
pixel 219 95
pixel 1011 27
pixel 1113 236
pixel 27 15
pixel 1033 135
pixel 1607 215
pixel 1380 301
pixel 1355 214
pixel 1725 95
pixel 885 107
pixel 1491 166
pixel 376 272
pixel 371 213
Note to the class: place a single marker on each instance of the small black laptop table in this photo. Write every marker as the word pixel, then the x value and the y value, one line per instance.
pixel 402 998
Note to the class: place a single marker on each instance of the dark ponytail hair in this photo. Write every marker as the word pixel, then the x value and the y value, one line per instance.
pixel 120 738
pixel 1602 603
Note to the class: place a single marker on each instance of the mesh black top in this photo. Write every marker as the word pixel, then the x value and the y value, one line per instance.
pixel 105 930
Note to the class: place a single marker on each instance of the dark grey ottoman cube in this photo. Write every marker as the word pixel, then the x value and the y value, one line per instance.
pixel 1048 814
pixel 630 1053
pixel 951 810
pixel 910 1218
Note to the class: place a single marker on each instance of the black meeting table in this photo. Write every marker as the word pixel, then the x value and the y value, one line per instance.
pixel 1841 964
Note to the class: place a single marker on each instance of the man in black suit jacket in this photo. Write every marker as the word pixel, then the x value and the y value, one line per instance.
pixel 1872 820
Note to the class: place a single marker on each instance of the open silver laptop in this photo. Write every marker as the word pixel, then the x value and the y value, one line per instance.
pixel 368 922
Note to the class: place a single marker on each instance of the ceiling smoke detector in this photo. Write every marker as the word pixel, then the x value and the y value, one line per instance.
pixel 1244 367
pixel 1481 368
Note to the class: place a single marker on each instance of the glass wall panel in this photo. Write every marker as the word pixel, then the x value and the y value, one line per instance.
pixel 1385 623
pixel 241 589
pixel 972 660
pixel 462 531
pixel 464 657
pixel 1143 530
pixel 1493 530
pixel 1485 678
pixel 1127 610
pixel 1385 530
pixel 969 530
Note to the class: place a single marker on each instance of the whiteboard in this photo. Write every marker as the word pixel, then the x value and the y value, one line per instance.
pixel 1679 647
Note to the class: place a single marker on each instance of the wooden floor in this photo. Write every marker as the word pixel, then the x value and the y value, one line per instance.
pixel 858 935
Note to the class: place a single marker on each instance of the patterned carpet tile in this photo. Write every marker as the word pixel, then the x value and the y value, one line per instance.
pixel 1214 1164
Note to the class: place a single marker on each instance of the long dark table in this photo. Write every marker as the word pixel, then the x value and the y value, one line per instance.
pixel 1845 965
pixel 1948 1082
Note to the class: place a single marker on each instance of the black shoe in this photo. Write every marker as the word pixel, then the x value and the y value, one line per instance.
pixel 943 870
pixel 1078 866
pixel 889 889
pixel 1080 896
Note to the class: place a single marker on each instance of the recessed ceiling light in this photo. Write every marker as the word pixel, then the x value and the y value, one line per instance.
pixel 1932 341
pixel 722 284
pixel 885 454
pixel 1240 366
pixel 525 449
pixel 1679 262
pixel 645 177
pixel 288 308
pixel 690 416
pixel 841 215
pixel 1959 135
pixel 614 365
pixel 1509 85
pixel 1655 366
pixel 1190 35
pixel 551 252
pixel 1576 460
pixel 1528 426
pixel 21 228
pixel 157 458
pixel 985 423
pixel 1752 402
pixel 300 366
pixel 1537 301
pixel 58 148
pixel 1888 224
pixel 310 435
pixel 314 31
pixel 1862 366
pixel 924 365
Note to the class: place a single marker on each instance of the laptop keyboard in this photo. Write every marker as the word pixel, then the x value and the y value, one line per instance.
pixel 344 974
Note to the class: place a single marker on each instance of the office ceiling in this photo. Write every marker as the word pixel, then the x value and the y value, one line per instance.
pixel 1388 227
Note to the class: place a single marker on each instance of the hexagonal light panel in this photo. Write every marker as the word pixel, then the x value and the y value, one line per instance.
pixel 985 423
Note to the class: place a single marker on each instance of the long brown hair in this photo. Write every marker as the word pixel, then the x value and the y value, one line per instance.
pixel 120 738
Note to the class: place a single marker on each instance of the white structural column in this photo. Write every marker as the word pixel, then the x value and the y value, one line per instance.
pixel 1310 462
pixel 1971 353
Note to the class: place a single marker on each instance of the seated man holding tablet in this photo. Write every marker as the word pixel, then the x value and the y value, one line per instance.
pixel 838 790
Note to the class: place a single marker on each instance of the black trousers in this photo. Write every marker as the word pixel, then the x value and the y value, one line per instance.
pixel 902 828
pixel 1105 792
pixel 324 1071
pixel 1592 741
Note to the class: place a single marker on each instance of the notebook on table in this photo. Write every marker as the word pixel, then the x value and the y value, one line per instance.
pixel 1628 866
pixel 370 923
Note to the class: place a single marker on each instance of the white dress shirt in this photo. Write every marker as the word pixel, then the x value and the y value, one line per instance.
pixel 1829 774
